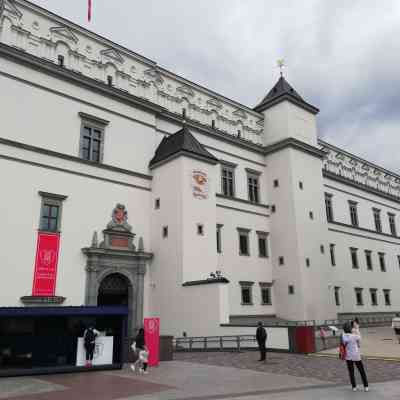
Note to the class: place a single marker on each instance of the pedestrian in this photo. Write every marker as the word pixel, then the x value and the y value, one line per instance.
pixel 89 342
pixel 355 327
pixel 139 346
pixel 352 356
pixel 322 334
pixel 261 336
pixel 396 326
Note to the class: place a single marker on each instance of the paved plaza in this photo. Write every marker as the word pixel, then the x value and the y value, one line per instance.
pixel 207 376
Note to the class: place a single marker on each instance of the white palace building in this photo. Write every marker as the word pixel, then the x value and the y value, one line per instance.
pixel 125 184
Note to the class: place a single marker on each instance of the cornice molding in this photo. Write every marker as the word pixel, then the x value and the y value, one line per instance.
pixel 295 144
pixel 222 196
pixel 51 153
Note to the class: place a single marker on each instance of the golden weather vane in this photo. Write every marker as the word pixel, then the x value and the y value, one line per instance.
pixel 281 64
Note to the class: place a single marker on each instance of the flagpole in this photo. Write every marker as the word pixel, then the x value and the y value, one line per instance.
pixel 89 10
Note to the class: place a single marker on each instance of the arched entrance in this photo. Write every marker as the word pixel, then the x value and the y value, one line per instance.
pixel 114 290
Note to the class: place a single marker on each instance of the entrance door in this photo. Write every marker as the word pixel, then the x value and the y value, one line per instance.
pixel 113 291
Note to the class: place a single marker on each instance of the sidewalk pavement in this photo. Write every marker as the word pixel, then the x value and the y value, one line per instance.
pixel 178 380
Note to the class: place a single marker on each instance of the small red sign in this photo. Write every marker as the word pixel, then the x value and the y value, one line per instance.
pixel 152 339
pixel 45 276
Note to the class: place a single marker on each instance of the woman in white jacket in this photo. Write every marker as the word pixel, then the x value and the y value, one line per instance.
pixel 353 356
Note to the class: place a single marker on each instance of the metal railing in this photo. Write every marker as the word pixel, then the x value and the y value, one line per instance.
pixel 215 343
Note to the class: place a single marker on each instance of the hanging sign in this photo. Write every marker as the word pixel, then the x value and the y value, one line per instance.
pixel 45 275
pixel 152 339
pixel 200 184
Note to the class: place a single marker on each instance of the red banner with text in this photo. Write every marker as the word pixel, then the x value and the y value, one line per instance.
pixel 152 339
pixel 45 275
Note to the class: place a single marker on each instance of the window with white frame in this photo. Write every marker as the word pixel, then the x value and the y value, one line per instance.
pixel 368 259
pixel 354 257
pixel 244 248
pixel 266 294
pixel 329 207
pixel 382 262
pixel 91 147
pixel 377 219
pixel 228 179
pixel 386 296
pixel 353 213
pixel 392 224
pixel 253 185
pixel 50 212
pixel 359 296
pixel 219 238
pixel 262 244
pixel 246 289
pixel 374 297
pixel 337 295
pixel 332 254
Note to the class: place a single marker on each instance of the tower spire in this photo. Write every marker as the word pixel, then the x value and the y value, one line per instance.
pixel 281 64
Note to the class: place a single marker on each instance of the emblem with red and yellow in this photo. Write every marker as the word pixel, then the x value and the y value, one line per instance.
pixel 200 184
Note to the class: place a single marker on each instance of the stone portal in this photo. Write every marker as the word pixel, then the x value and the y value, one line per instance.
pixel 115 269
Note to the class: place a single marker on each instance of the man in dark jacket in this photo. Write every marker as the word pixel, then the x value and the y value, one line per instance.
pixel 261 336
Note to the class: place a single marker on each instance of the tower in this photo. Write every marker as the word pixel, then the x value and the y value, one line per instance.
pixel 301 267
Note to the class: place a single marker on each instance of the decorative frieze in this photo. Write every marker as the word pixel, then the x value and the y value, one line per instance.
pixel 361 172
pixel 48 39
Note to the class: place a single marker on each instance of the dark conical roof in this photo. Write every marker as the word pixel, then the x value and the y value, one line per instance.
pixel 283 91
pixel 181 142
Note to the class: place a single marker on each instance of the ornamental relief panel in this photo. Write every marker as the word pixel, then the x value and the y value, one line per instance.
pixel 133 75
pixel 359 171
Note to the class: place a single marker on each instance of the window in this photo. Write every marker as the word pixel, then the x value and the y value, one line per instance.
pixel 353 213
pixel 307 262
pixel 50 212
pixel 392 224
pixel 109 80
pixel 398 260
pixel 311 214
pixel 253 185
pixel 157 204
pixel 337 295
pixel 359 296
pixel 300 185
pixel 368 259
pixel 184 113
pixel 266 298
pixel 228 180
pixel 213 124
pixel 219 242
pixel 276 183
pixel 281 260
pixel 92 138
pixel 262 244
pixel 354 257
pixel 382 263
pixel 273 208
pixel 244 241
pixel 328 206
pixel 377 219
pixel 332 252
pixel 374 297
pixel 246 291
pixel 239 133
pixel 322 249
pixel 165 231
pixel 200 229
pixel 386 295
pixel 60 59
pixel 291 289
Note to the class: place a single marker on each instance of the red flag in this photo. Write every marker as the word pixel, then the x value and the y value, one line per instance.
pixel 89 10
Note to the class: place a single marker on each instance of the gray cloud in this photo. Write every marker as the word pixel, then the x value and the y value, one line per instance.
pixel 342 56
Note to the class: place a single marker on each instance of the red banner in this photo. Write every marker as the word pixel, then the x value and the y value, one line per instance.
pixel 45 276
pixel 152 339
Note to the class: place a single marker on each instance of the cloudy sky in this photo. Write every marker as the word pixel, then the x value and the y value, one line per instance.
pixel 342 56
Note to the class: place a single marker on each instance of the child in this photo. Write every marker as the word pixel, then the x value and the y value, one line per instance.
pixel 144 360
